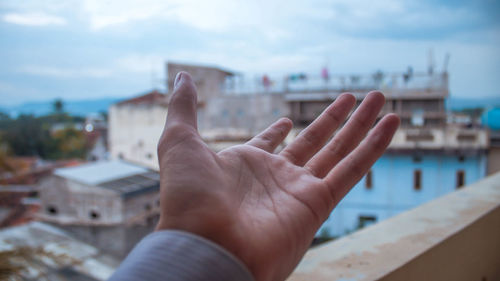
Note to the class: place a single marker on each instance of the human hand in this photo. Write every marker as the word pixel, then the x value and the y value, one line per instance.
pixel 263 207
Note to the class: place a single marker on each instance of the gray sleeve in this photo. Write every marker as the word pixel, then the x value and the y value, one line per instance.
pixel 180 256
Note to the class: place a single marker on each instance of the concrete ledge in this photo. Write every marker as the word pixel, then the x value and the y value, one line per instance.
pixel 455 237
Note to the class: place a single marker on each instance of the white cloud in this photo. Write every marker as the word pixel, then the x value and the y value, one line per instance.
pixel 135 64
pixel 139 63
pixel 102 14
pixel 58 72
pixel 33 19
pixel 214 15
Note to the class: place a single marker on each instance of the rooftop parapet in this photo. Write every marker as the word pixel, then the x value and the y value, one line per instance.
pixel 447 138
pixel 392 84
pixel 454 237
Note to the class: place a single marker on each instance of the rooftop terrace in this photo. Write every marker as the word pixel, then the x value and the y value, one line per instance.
pixel 414 85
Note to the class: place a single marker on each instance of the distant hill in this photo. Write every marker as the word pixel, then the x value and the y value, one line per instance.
pixel 461 103
pixel 73 107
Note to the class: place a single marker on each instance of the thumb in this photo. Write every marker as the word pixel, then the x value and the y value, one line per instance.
pixel 183 102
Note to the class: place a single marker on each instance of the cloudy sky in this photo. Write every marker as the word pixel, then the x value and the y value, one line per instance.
pixel 92 48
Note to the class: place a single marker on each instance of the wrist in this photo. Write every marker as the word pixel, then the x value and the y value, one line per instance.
pixel 217 236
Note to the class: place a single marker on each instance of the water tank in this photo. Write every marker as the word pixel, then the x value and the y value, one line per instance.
pixel 491 119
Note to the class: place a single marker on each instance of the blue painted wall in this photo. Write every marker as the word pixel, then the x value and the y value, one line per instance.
pixel 393 190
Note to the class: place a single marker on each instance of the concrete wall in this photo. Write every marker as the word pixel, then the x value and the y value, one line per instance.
pixel 120 223
pixel 138 208
pixel 393 192
pixel 134 131
pixel 252 113
pixel 493 160
pixel 64 201
pixel 208 80
pixel 116 240
pixel 454 237
pixel 448 138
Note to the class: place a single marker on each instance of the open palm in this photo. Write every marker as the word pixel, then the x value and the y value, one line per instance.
pixel 263 207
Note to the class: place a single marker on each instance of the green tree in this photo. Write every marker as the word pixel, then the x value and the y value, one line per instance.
pixel 28 135
pixel 71 143
pixel 58 106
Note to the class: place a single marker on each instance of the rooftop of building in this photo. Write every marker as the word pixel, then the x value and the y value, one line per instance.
pixel 124 178
pixel 313 87
pixel 149 98
pixel 18 205
pixel 38 251
pixel 177 65
pixel 21 170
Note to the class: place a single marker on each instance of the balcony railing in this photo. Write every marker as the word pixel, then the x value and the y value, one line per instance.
pixel 450 138
pixel 455 237
pixel 393 83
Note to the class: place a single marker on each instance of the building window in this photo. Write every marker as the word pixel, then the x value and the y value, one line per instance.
pixel 417 179
pixel 147 207
pixel 368 180
pixel 120 155
pixel 460 178
pixel 241 112
pixel 276 112
pixel 52 210
pixel 417 117
pixel 149 155
pixel 94 215
pixel 364 221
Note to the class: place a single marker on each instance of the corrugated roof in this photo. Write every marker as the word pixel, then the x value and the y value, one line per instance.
pixel 100 172
pixel 45 252
pixel 134 185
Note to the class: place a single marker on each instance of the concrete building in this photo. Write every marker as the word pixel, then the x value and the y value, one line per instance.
pixel 110 205
pixel 135 126
pixel 96 132
pixel 491 120
pixel 494 153
pixel 427 158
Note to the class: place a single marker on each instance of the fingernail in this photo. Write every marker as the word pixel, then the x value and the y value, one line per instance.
pixel 177 80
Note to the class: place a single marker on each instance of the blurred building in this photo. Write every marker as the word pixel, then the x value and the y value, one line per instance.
pixel 96 132
pixel 491 120
pixel 110 204
pixel 26 170
pixel 18 204
pixel 494 153
pixel 135 125
pixel 428 157
pixel 19 178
